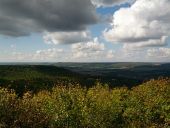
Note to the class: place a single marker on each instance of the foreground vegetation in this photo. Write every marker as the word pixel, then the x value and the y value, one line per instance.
pixel 144 106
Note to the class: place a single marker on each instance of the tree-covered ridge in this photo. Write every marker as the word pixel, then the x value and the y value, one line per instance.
pixel 144 106
pixel 40 76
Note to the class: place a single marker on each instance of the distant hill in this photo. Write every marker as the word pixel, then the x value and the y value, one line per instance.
pixel 30 76
pixel 13 72
pixel 34 77
pixel 137 71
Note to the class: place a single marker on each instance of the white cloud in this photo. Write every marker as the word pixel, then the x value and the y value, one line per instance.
pixel 91 49
pixel 149 43
pixel 66 37
pixel 110 54
pixel 145 23
pixel 159 52
pixel 91 46
pixel 48 54
pixel 125 54
pixel 109 3
pixel 20 56
pixel 39 55
pixel 81 52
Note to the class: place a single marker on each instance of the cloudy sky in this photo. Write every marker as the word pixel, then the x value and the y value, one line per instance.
pixel 84 30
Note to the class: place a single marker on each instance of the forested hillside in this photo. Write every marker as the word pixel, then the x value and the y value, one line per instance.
pixel 29 77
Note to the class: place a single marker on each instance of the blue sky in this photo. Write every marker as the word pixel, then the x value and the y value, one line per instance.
pixel 111 32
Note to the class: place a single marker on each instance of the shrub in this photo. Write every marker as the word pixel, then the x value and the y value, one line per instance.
pixel 147 105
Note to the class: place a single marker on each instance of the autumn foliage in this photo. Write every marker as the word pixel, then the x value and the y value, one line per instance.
pixel 144 106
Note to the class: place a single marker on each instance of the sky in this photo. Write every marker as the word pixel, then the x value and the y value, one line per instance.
pixel 84 30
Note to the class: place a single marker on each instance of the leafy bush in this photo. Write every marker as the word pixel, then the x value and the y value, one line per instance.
pixel 144 106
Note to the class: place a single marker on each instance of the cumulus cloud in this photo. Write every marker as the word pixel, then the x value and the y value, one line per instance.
pixel 145 23
pixel 66 37
pixel 149 43
pixel 52 54
pixel 19 56
pixel 22 17
pixel 48 54
pixel 89 51
pixel 92 49
pixel 91 46
pixel 159 52
pixel 109 3
pixel 110 54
